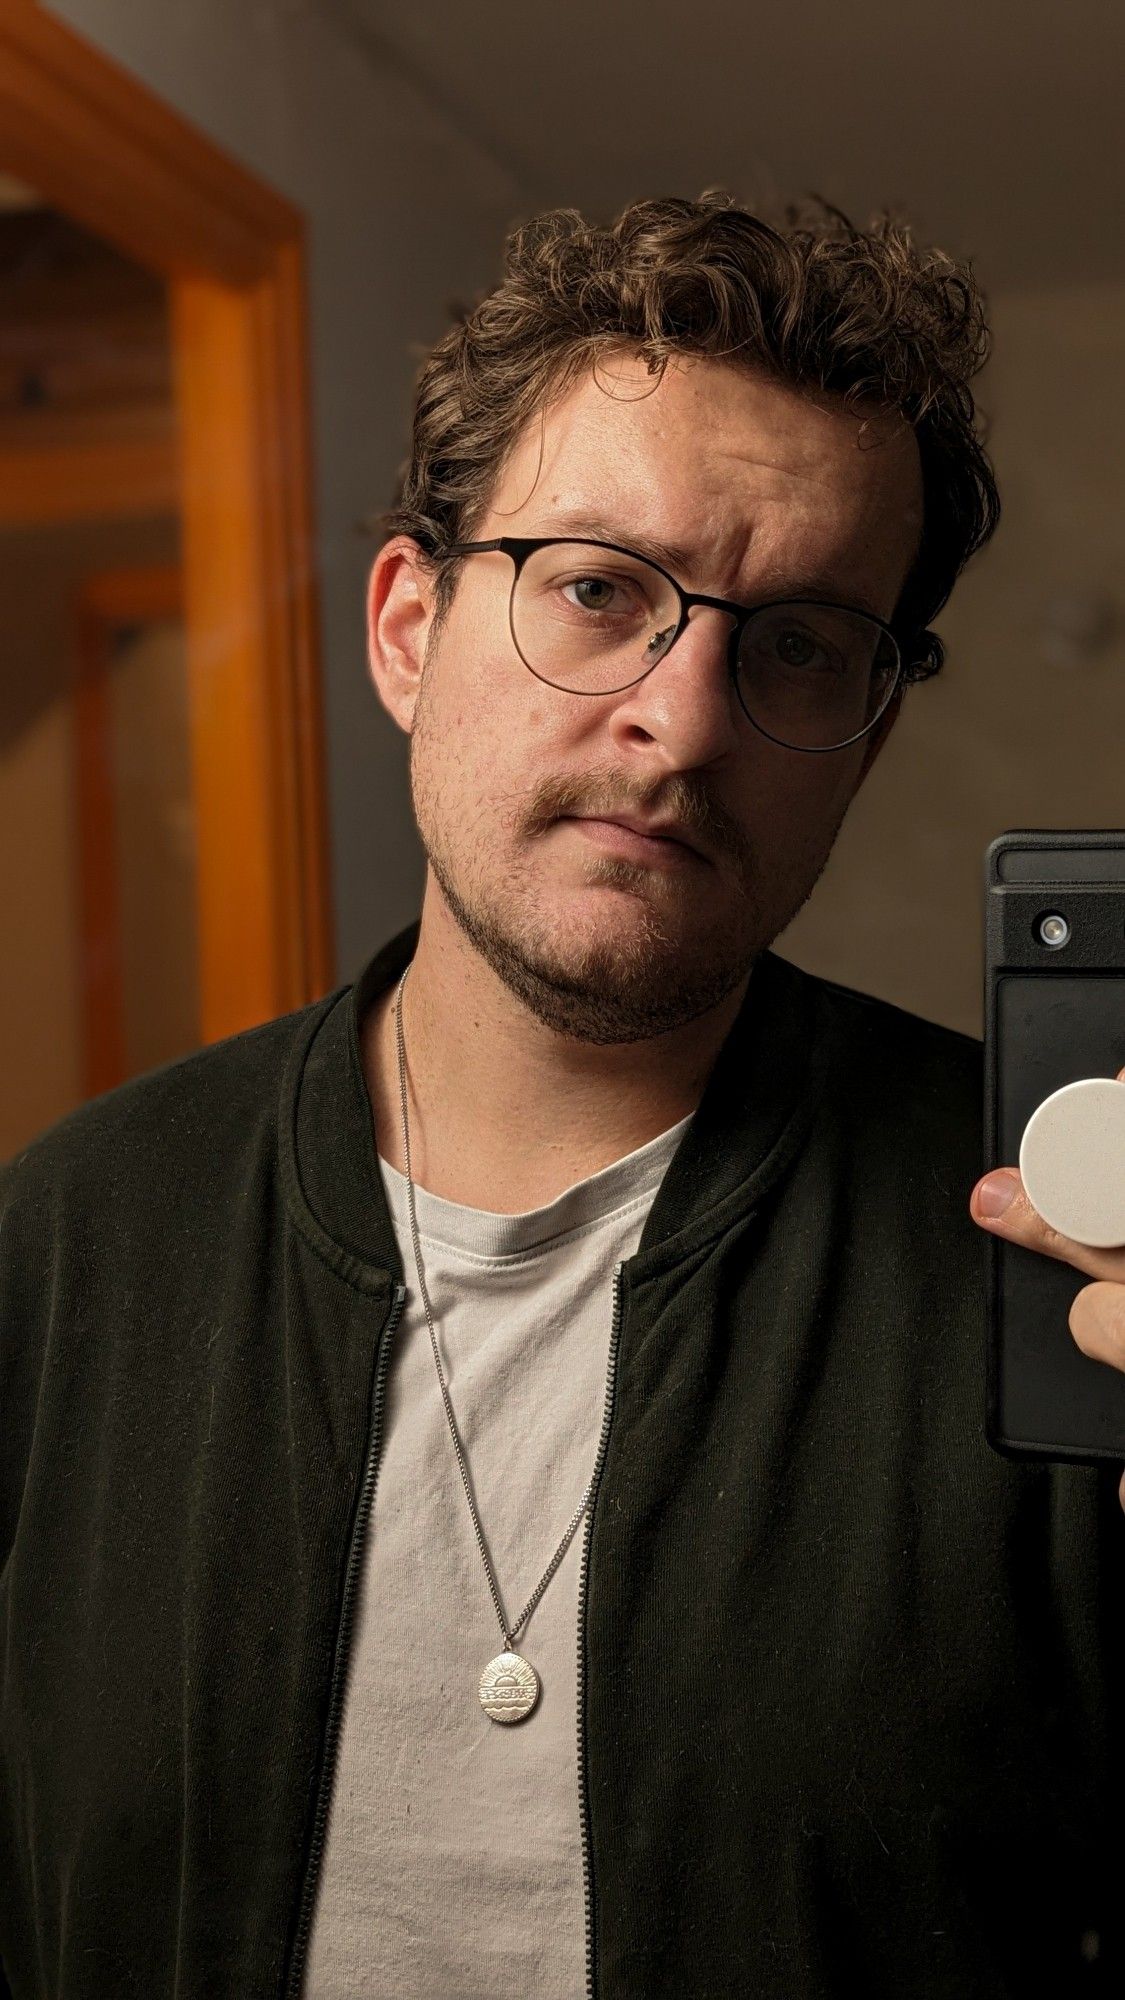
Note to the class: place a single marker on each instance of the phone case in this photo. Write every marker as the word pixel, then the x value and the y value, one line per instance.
pixel 1051 1016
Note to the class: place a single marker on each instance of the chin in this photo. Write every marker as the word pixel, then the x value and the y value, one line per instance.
pixel 612 974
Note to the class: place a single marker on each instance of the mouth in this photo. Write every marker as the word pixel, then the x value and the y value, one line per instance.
pixel 659 850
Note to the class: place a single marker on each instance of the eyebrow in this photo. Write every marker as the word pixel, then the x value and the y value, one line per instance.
pixel 676 557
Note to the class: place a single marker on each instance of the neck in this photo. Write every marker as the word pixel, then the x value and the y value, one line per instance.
pixel 505 1114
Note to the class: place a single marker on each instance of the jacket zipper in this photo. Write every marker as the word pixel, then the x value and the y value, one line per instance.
pixel 343 1645
pixel 583 1791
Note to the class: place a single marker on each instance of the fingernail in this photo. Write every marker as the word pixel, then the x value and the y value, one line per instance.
pixel 996 1194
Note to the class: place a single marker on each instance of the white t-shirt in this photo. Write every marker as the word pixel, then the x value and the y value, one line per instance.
pixel 452 1866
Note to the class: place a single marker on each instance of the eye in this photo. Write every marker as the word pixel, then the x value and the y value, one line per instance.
pixel 592 593
pixel 795 648
pixel 805 647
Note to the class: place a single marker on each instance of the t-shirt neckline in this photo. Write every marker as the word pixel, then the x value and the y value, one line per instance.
pixel 489 1232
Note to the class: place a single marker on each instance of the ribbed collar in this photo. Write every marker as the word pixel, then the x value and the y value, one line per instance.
pixel 746 1131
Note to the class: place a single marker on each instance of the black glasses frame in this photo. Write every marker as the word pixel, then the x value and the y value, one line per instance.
pixel 520 547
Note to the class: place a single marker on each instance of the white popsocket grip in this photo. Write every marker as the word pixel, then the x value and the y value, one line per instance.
pixel 1072 1161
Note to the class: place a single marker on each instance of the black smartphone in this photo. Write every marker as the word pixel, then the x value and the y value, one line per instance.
pixel 1054 1011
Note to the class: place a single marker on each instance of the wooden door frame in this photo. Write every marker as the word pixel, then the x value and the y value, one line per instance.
pixel 98 144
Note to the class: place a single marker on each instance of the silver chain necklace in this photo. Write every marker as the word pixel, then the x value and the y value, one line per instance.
pixel 509 1685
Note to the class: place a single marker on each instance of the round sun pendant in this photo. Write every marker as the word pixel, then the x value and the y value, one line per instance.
pixel 509 1688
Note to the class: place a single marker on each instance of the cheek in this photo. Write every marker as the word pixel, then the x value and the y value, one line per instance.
pixel 470 765
pixel 469 677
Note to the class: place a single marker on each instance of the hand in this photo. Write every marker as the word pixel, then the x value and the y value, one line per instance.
pixel 1097 1317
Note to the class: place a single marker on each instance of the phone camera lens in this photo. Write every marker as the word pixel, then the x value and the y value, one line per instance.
pixel 1053 931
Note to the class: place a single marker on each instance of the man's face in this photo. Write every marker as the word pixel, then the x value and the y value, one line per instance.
pixel 768 495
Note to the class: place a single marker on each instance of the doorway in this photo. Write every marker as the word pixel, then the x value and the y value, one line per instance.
pixel 162 785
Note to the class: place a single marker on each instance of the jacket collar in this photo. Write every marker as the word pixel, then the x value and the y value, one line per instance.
pixel 748 1127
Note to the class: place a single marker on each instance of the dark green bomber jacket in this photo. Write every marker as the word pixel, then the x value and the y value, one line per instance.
pixel 851 1684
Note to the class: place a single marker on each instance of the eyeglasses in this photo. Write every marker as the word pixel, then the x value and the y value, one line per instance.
pixel 809 675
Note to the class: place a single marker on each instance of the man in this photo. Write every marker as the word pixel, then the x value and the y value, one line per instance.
pixel 499 1497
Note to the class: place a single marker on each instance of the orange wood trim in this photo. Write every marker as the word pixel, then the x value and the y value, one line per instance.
pixel 286 475
pixel 265 933
pixel 97 143
pixel 257 740
pixel 40 484
pixel 108 598
pixel 102 147
pixel 228 609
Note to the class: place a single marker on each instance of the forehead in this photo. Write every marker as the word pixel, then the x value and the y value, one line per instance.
pixel 746 478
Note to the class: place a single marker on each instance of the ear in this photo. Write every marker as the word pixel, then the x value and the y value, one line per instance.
pixel 399 611
pixel 878 737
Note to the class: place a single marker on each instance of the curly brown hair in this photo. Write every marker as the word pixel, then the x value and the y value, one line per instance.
pixel 813 302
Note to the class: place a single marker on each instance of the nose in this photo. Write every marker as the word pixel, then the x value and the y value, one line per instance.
pixel 686 700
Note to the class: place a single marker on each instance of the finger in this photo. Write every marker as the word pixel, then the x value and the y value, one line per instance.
pixel 1097 1321
pixel 1021 1223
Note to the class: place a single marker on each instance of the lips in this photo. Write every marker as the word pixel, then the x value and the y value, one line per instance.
pixel 668 833
pixel 661 849
pixel 637 826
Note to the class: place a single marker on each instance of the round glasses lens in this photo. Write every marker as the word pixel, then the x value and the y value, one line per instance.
pixel 813 675
pixel 589 620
